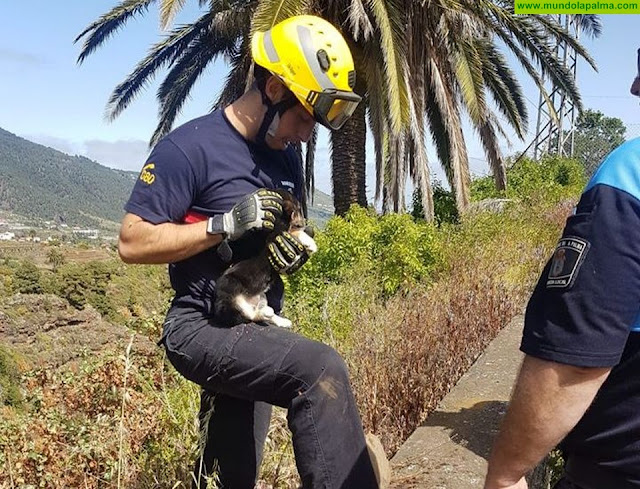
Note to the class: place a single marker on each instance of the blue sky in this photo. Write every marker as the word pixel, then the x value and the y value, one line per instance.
pixel 47 98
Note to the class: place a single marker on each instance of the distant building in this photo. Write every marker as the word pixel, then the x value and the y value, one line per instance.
pixel 7 236
pixel 86 233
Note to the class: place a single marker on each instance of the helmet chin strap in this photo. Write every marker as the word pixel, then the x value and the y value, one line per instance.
pixel 271 118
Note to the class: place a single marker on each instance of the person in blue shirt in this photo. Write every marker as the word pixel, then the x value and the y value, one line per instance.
pixel 579 384
pixel 200 202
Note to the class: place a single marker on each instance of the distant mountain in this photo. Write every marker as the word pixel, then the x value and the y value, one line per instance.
pixel 320 209
pixel 42 183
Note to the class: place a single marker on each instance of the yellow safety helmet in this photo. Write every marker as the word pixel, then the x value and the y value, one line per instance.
pixel 313 60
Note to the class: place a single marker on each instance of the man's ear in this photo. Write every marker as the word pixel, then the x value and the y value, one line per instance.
pixel 274 89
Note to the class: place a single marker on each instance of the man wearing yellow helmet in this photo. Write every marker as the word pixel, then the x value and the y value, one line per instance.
pixel 201 203
pixel 312 60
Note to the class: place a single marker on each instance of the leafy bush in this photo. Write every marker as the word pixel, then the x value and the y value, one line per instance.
pixel 27 279
pixel 10 393
pixel 550 180
pixel 87 283
pixel 392 247
pixel 445 209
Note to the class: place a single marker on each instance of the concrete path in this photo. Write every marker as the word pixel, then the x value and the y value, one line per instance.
pixel 450 449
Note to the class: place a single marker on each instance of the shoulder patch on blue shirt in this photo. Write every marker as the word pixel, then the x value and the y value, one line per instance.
pixel 621 169
pixel 565 264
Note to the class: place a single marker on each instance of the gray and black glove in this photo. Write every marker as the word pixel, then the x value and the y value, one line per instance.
pixel 287 254
pixel 258 210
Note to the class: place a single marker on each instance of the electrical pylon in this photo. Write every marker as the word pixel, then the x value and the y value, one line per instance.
pixel 555 128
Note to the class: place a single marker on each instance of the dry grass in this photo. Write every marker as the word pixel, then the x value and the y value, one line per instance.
pixel 409 354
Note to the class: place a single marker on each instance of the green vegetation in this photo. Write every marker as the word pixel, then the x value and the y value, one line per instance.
pixel 40 182
pixel 10 394
pixel 410 305
pixel 596 136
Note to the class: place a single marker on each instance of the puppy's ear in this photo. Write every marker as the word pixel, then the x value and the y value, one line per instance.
pixel 288 203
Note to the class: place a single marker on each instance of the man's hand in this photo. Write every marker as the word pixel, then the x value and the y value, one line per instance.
pixel 287 254
pixel 258 210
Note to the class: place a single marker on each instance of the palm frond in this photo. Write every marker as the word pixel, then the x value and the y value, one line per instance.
pixel 103 28
pixel 359 21
pixel 168 11
pixel 561 35
pixel 504 87
pixel 458 160
pixel 173 92
pixel 589 23
pixel 309 165
pixel 468 67
pixel 489 141
pixel 270 12
pixel 162 54
pixel 392 42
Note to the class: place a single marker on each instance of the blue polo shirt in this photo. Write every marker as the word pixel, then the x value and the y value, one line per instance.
pixel 206 166
pixel 585 311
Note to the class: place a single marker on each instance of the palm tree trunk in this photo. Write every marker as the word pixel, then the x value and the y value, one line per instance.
pixel 348 163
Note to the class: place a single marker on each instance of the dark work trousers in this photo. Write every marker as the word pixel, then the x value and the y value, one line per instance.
pixel 249 367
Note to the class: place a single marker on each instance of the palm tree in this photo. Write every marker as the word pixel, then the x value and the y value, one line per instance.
pixel 224 29
pixel 455 62
pixel 417 62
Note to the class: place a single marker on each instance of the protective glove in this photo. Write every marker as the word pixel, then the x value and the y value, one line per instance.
pixel 286 253
pixel 258 210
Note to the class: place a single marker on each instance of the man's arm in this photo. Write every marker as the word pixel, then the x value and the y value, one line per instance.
pixel 548 401
pixel 143 242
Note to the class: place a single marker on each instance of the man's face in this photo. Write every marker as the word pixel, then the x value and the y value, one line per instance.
pixel 296 126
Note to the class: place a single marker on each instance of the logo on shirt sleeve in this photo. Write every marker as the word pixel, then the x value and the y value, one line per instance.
pixel 146 175
pixel 286 184
pixel 569 254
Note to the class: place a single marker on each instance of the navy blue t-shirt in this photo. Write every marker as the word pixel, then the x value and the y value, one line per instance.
pixel 206 166
pixel 585 312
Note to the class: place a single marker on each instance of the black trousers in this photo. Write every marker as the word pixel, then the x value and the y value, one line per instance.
pixel 249 367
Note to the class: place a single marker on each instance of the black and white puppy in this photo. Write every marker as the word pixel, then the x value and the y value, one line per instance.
pixel 241 291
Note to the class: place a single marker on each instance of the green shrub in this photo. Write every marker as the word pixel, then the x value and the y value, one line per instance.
pixel 10 393
pixel 445 209
pixel 83 284
pixel 27 279
pixel 550 180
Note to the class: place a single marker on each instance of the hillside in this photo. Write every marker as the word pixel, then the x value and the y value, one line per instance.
pixel 39 182
pixel 43 183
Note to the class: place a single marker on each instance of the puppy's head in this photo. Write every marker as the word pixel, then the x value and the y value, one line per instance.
pixel 293 221
pixel 292 218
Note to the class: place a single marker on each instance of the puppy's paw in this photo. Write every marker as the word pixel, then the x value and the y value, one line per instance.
pixel 267 312
pixel 308 242
pixel 281 322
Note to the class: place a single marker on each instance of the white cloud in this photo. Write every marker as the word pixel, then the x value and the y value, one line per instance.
pixel 124 154
pixel 64 145
pixel 21 57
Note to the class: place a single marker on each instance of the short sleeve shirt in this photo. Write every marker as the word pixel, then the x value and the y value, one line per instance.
pixel 205 167
pixel 585 310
